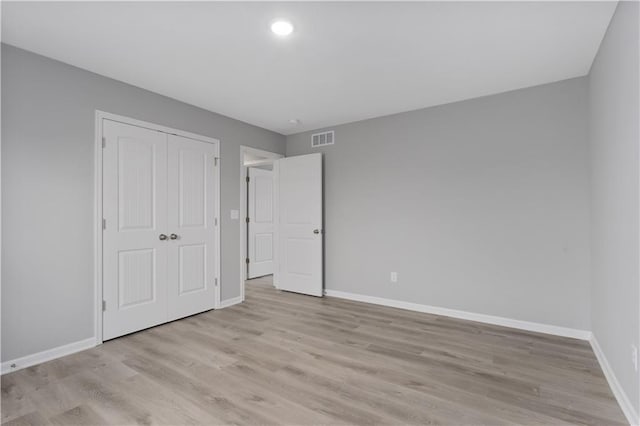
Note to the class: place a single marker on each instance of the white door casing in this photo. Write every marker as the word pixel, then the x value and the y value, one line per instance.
pixel 261 227
pixel 155 183
pixel 135 214
pixel 191 214
pixel 300 236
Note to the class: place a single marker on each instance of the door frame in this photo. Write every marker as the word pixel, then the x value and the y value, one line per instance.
pixel 257 170
pixel 98 255
pixel 271 156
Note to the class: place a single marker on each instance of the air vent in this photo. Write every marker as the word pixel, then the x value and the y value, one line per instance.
pixel 322 139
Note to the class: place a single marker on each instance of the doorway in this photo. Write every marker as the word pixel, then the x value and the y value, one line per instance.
pixel 260 221
pixel 291 246
pixel 258 210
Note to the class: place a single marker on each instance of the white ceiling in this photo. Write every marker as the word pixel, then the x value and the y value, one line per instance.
pixel 344 62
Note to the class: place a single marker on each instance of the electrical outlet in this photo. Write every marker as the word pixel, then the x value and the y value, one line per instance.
pixel 634 357
pixel 394 277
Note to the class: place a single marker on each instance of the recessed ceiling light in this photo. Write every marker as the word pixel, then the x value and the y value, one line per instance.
pixel 281 27
pixel 294 121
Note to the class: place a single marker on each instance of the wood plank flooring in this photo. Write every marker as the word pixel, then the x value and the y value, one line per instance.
pixel 283 358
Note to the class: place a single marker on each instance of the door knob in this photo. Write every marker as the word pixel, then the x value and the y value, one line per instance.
pixel 316 231
pixel 173 236
pixel 162 237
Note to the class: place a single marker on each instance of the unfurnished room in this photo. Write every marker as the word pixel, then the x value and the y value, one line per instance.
pixel 320 213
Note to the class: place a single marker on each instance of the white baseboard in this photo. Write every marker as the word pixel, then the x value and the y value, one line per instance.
pixel 230 302
pixel 471 316
pixel 60 351
pixel 48 355
pixel 618 392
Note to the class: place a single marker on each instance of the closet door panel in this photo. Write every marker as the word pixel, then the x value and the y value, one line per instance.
pixel 192 190
pixel 135 214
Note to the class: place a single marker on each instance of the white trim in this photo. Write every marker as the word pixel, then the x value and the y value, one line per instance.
pixel 257 163
pixel 99 117
pixel 158 127
pixel 271 156
pixel 48 355
pixel 618 391
pixel 231 302
pixel 217 260
pixel 470 316
pixel 276 224
pixel 97 231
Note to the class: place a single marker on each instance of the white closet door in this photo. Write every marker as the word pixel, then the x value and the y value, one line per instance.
pixel 135 211
pixel 261 227
pixel 191 224
pixel 300 224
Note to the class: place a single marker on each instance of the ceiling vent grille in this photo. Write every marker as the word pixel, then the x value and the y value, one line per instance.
pixel 322 139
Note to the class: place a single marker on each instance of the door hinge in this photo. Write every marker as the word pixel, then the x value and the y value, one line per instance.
pixel 104 223
pixel 248 179
pixel 104 142
pixel 215 221
pixel 247 260
pixel 216 282
pixel 215 161
pixel 104 305
pixel 247 220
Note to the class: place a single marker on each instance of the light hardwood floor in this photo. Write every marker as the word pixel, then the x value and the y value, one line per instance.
pixel 283 358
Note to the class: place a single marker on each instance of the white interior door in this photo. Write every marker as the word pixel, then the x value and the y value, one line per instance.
pixel 261 227
pixel 160 240
pixel 300 224
pixel 191 225
pixel 135 214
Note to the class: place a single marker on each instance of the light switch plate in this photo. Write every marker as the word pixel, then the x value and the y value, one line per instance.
pixel 394 277
pixel 235 214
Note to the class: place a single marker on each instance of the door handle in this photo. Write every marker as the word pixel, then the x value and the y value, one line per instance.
pixel 162 237
pixel 316 231
pixel 173 236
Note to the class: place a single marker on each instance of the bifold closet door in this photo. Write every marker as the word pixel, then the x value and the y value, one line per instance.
pixel 135 214
pixel 191 199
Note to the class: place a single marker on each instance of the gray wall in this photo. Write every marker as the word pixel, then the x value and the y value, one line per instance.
pixel 481 205
pixel 48 191
pixel 614 112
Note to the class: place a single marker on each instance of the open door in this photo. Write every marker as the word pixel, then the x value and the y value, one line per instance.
pixel 300 224
pixel 260 223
